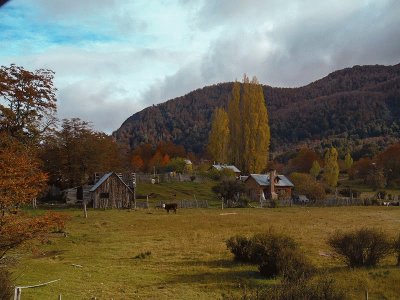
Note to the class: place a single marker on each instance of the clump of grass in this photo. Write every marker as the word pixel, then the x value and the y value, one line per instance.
pixel 143 255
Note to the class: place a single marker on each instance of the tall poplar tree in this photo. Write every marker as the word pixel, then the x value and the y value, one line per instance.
pixel 249 126
pixel 219 136
pixel 331 169
pixel 348 161
pixel 235 127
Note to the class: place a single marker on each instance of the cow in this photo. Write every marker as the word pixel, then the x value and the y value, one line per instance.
pixel 170 206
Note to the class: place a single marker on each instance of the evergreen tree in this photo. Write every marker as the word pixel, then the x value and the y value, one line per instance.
pixel 348 161
pixel 331 170
pixel 315 169
pixel 249 127
pixel 219 136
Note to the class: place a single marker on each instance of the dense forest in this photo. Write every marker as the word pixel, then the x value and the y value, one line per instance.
pixel 345 108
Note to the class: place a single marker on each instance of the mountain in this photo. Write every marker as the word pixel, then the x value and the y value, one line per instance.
pixel 349 105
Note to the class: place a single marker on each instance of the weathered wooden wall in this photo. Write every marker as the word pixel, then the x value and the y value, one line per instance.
pixel 119 195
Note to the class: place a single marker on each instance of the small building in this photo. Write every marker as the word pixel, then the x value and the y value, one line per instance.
pixel 260 187
pixel 77 194
pixel 220 167
pixel 110 191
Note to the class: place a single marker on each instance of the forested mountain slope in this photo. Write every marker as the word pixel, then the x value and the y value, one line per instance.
pixel 354 104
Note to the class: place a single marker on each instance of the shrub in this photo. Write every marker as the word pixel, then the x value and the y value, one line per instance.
pixel 364 247
pixel 294 265
pixel 275 254
pixel 240 247
pixel 6 284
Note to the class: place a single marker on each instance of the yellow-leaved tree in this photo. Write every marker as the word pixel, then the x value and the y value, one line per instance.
pixel 331 168
pixel 219 136
pixel 249 126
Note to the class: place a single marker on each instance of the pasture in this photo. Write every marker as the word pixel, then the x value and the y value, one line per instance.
pixel 149 254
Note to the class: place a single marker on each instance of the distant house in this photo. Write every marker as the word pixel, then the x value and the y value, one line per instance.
pixel 260 187
pixel 220 167
pixel 110 191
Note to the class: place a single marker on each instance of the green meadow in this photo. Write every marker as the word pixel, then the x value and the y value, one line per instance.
pixel 149 254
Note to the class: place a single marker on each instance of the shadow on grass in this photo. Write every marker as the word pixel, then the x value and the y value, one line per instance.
pixel 230 276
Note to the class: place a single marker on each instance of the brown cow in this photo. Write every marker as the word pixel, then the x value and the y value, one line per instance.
pixel 170 206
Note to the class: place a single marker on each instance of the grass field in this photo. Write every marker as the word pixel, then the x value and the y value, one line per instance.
pixel 189 259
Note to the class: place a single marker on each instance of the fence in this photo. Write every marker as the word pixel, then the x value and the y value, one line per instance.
pixel 187 204
pixel 168 177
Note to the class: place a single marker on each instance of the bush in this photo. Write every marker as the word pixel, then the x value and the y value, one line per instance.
pixel 275 254
pixel 364 247
pixel 240 247
pixel 6 284
pixel 294 266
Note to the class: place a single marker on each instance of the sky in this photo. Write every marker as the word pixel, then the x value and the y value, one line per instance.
pixel 113 58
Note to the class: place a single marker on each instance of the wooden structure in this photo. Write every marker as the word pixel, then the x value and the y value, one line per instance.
pixel 77 194
pixel 260 187
pixel 110 191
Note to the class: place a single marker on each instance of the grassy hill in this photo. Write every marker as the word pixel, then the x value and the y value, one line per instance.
pixel 188 258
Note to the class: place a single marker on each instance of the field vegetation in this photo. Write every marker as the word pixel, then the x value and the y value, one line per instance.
pixel 149 254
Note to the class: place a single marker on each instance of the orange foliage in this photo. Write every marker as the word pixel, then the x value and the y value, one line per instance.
pixel 137 163
pixel 16 230
pixel 165 161
pixel 145 157
pixel 303 161
pixel 21 179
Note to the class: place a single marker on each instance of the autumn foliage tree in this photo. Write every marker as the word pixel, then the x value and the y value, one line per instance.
pixel 331 167
pixel 28 102
pixel 145 157
pixel 248 126
pixel 218 139
pixel 16 230
pixel 21 178
pixel 75 152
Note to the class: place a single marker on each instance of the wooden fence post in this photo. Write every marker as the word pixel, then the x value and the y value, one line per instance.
pixel 84 209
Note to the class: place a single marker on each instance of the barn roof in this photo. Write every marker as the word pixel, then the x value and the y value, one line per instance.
pixel 104 178
pixel 231 167
pixel 263 180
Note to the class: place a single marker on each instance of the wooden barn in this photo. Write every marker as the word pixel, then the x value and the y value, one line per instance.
pixel 110 191
pixel 261 187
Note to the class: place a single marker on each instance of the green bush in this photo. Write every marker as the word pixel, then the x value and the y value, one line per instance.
pixel 361 248
pixel 6 284
pixel 240 247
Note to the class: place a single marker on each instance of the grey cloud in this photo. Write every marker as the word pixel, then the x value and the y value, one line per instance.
pixel 97 104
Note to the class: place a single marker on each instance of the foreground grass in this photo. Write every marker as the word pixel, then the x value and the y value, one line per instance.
pixel 188 256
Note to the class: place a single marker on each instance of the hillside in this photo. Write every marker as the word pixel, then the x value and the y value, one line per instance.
pixel 353 104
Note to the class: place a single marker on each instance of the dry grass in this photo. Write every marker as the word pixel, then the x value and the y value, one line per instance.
pixel 188 257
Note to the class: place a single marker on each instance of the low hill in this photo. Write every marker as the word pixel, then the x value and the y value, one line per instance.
pixel 353 104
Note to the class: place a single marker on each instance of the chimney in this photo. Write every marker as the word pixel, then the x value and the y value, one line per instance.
pixel 272 176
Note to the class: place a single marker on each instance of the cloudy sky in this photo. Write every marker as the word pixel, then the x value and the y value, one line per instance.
pixel 113 58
